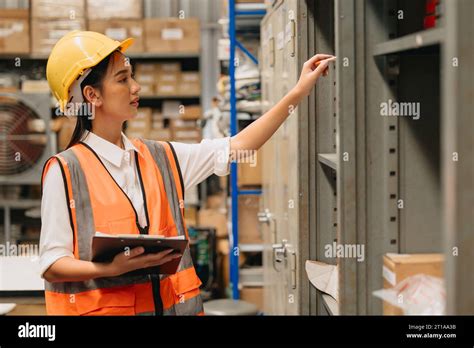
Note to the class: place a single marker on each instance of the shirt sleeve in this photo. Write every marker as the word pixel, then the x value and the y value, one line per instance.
pixel 56 239
pixel 199 161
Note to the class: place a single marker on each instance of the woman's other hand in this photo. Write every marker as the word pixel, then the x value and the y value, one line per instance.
pixel 134 259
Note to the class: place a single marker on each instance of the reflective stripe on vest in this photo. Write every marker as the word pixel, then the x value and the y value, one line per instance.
pixel 96 203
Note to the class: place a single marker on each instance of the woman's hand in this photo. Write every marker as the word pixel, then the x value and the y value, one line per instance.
pixel 125 262
pixel 312 70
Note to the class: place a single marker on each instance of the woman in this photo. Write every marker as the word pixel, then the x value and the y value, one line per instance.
pixel 108 183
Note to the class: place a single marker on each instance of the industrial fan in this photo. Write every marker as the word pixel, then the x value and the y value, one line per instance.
pixel 26 141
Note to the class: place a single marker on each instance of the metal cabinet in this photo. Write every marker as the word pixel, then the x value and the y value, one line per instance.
pixel 280 204
pixel 361 177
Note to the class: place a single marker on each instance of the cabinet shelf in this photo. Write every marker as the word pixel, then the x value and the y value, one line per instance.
pixel 251 247
pixel 329 159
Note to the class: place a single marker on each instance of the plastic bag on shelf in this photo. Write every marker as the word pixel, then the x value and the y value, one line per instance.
pixel 417 295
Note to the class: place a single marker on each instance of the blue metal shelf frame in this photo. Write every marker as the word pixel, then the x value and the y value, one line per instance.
pixel 235 192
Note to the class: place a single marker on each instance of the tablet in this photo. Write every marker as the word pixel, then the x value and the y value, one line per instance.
pixel 106 246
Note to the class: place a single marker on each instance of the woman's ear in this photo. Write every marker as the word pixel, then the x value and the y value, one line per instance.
pixel 92 95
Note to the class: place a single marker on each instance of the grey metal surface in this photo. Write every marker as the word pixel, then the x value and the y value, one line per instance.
pixel 457 136
pixel 324 132
pixel 306 199
pixel 346 186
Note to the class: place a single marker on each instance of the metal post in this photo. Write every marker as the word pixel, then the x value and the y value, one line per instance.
pixel 234 254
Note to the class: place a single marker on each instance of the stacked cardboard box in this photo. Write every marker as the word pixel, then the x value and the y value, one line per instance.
pixel 189 84
pixel 15 31
pixel 52 19
pixel 216 218
pixel 172 35
pixel 185 130
pixel 113 9
pixel 121 29
pixel 145 76
pixel 159 130
pixel 139 126
pixel 167 79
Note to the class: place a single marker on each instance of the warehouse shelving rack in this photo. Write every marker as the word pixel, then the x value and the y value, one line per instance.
pixel 234 14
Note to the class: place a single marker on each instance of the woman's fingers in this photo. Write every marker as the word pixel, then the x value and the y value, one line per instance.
pixel 312 62
pixel 323 66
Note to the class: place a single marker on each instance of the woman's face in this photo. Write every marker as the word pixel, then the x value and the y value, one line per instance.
pixel 119 90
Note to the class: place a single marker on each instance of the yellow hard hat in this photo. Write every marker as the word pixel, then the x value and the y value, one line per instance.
pixel 74 53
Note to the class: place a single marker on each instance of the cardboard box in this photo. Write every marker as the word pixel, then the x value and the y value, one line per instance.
pixel 146 90
pixel 35 86
pixel 168 67
pixel 397 267
pixel 182 124
pixel 190 84
pixel 214 218
pixel 172 35
pixel 157 115
pixel 249 228
pixel 166 89
pixel 66 129
pixel 146 68
pixel 187 134
pixel 253 295
pixel 61 9
pixel 137 133
pixel 146 79
pixel 108 9
pixel 45 33
pixel 171 109
pixel 190 76
pixel 189 89
pixel 191 112
pixel 249 169
pixel 165 77
pixel 160 134
pixel 14 31
pixel 190 216
pixel 142 121
pixel 121 29
pixel 157 124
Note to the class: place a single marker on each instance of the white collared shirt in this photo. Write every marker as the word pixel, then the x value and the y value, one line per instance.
pixel 197 162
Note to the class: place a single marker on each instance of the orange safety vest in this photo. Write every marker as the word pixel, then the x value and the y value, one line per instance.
pixel 97 203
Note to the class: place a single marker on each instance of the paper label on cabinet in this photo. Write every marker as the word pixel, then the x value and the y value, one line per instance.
pixel 389 276
pixel 280 40
pixel 289 32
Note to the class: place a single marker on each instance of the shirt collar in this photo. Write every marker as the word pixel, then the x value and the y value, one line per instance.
pixel 108 150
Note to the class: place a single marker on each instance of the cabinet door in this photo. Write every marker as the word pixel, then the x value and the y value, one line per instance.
pixel 281 166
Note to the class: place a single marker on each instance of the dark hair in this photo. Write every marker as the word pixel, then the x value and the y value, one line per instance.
pixel 94 79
